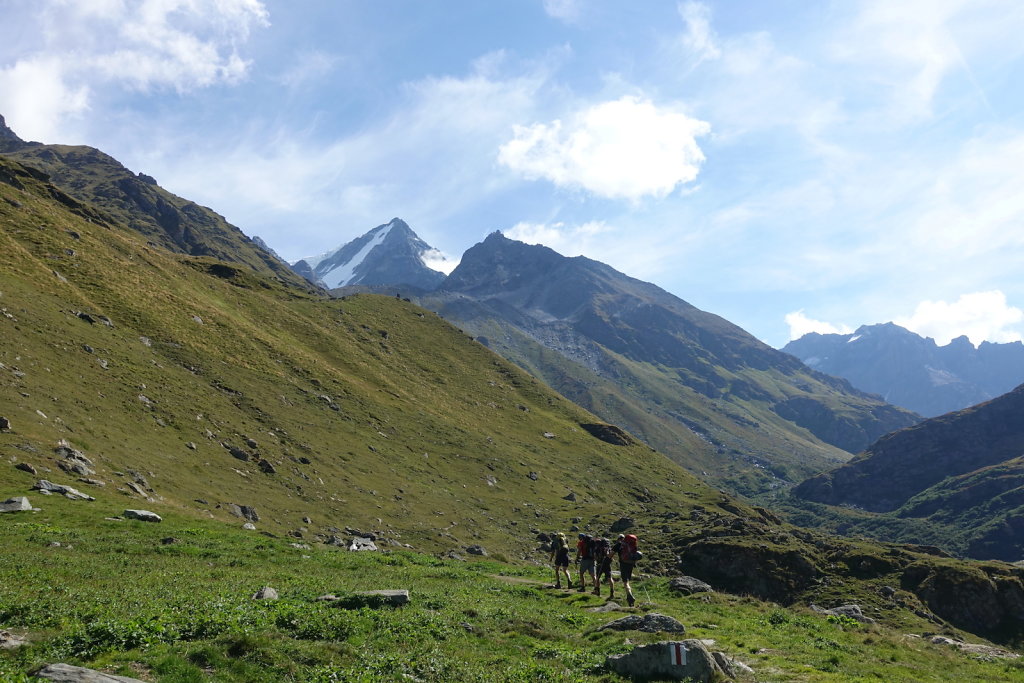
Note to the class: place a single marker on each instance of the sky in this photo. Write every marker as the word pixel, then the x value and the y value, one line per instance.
pixel 791 166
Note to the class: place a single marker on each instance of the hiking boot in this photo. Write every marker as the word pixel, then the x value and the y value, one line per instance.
pixel 581 589
pixel 630 600
pixel 597 593
pixel 558 585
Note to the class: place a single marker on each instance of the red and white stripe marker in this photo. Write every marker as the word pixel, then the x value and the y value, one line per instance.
pixel 678 653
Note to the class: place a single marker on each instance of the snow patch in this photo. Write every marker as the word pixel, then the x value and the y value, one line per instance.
pixel 343 273
pixel 853 338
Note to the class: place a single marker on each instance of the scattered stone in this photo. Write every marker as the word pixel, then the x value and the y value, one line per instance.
pixel 299 546
pixel 648 623
pixel 48 488
pixel 196 319
pixel 686 660
pixel 65 673
pixel 533 476
pixel 170 540
pixel 9 641
pixel 136 489
pixel 330 597
pixel 20 504
pixel 5 424
pixel 243 511
pixel 251 443
pixel 239 453
pixel 687 585
pixel 307 520
pixel 476 550
pixel 621 524
pixel 249 526
pixel 25 467
pixel 606 607
pixel 93 482
pixel 548 435
pixel 571 497
pixel 146 341
pixel 191 445
pixel 265 593
pixel 361 543
pixel 372 599
pixel 976 649
pixel 887 591
pixel 266 467
pixel 142 515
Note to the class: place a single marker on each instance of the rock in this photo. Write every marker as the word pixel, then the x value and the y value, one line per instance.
pixel 532 476
pixel 360 544
pixel 621 524
pixel 5 424
pixel 687 585
pixel 307 520
pixel 20 504
pixel 249 526
pixel 47 487
pixel 606 607
pixel 244 511
pixel 974 648
pixel 191 445
pixel 887 591
pixel 170 540
pixel 251 443
pixel 548 435
pixel 476 550
pixel 93 482
pixel 379 598
pixel 142 515
pixel 266 467
pixel 648 623
pixel 571 497
pixel 65 673
pixel 9 641
pixel 265 593
pixel 136 489
pixel 671 660
pixel 25 467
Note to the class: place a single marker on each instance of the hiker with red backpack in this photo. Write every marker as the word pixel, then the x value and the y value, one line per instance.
pixel 560 556
pixel 585 559
pixel 626 548
pixel 603 560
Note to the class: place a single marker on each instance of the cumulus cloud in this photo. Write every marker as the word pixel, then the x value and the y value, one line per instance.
pixel 568 240
pixel 981 316
pixel 435 259
pixel 84 45
pixel 623 149
pixel 800 324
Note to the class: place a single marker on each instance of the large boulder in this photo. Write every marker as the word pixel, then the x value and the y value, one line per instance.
pixel 19 504
pixel 48 488
pixel 373 599
pixel 680 660
pixel 142 515
pixel 65 673
pixel 648 623
pixel 687 585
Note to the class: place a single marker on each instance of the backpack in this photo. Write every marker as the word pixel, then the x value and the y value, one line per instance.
pixel 629 552
pixel 601 547
pixel 588 547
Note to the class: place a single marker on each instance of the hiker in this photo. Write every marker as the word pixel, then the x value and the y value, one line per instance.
pixel 625 548
pixel 560 557
pixel 603 560
pixel 585 559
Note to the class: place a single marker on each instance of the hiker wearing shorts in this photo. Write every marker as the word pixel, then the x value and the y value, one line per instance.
pixel 623 550
pixel 603 560
pixel 560 558
pixel 585 558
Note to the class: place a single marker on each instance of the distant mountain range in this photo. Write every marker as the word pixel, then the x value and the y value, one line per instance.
pixel 962 472
pixel 691 384
pixel 913 371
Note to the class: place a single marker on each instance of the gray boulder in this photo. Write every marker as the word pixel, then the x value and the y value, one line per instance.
pixel 243 511
pixel 360 544
pixel 142 515
pixel 9 641
pixel 25 467
pixel 851 611
pixel 65 673
pixel 687 585
pixel 47 487
pixel 476 550
pixel 5 424
pixel 19 504
pixel 621 524
pixel 648 623
pixel 685 660
pixel 265 593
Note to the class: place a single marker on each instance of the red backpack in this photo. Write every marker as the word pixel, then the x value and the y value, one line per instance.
pixel 629 552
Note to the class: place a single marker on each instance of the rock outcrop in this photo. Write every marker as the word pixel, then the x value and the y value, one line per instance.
pixel 685 660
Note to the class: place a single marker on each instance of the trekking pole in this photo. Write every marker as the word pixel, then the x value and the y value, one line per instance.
pixel 649 601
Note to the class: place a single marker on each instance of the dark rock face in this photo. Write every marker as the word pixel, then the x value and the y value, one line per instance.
pixel 769 572
pixel 608 433
pixel 987 599
pixel 913 371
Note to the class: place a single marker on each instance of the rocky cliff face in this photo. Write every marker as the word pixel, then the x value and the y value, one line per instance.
pixel 913 371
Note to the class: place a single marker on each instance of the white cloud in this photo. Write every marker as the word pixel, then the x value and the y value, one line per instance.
pixel 85 45
pixel 568 240
pixel 800 324
pixel 309 66
pixel 437 260
pixel 565 10
pixel 699 38
pixel 624 149
pixel 981 316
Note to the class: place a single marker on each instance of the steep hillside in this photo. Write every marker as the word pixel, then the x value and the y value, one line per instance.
pixel 914 372
pixel 137 201
pixel 961 472
pixel 691 384
pixel 206 392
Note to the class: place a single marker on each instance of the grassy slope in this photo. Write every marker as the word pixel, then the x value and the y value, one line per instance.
pixel 127 602
pixel 424 417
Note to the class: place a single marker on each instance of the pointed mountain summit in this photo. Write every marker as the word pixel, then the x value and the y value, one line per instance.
pixel 8 137
pixel 688 382
pixel 913 371
pixel 390 254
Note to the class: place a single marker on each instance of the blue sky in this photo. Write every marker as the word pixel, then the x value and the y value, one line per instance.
pixel 791 166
